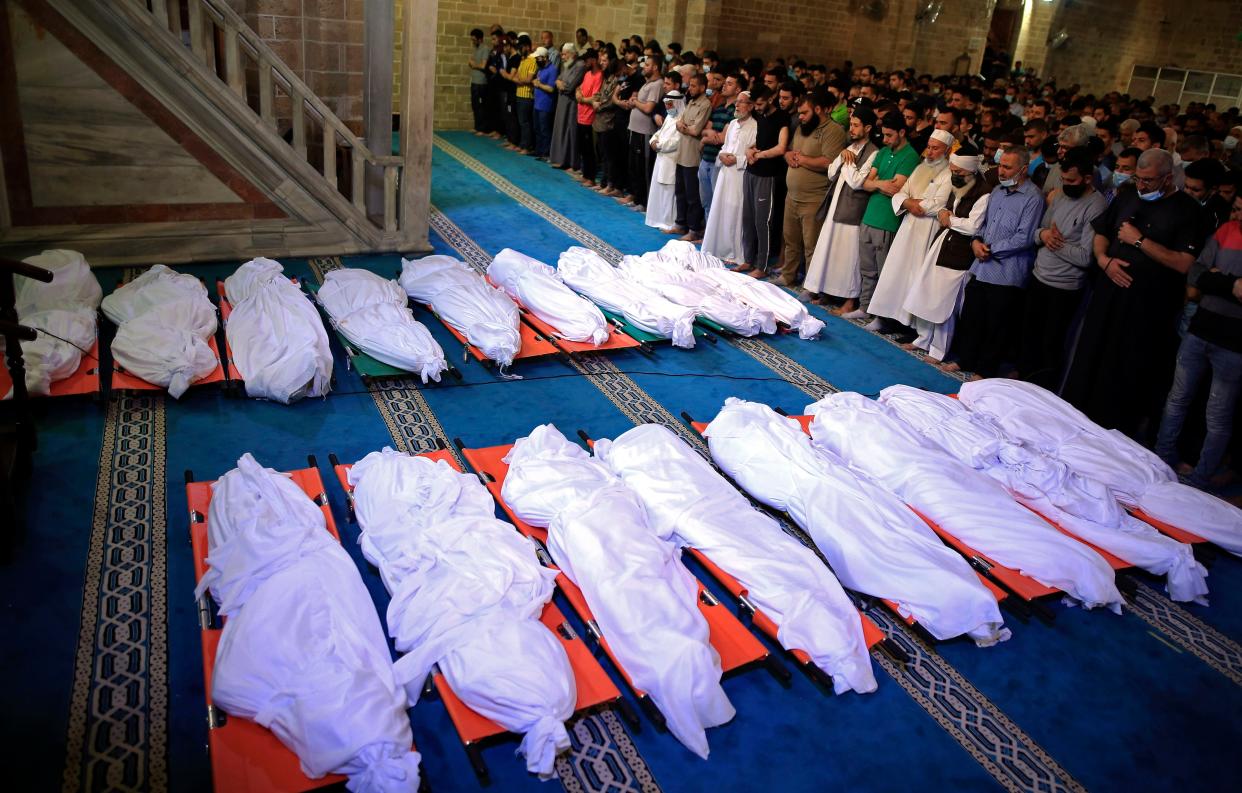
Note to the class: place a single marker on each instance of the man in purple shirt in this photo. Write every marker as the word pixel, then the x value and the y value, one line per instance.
pixel 1004 254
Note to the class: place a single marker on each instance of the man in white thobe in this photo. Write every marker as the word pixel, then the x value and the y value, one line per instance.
pixel 834 264
pixel 922 197
pixel 935 294
pixel 661 195
pixel 723 236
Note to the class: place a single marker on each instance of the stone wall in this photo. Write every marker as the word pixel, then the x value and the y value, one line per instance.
pixel 1032 44
pixel 1107 41
pixel 832 31
pixel 321 40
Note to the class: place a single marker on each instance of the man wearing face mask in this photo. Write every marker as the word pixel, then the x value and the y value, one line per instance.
pixel 936 291
pixel 917 205
pixel 661 191
pixel 1123 174
pixel 723 111
pixel 1062 263
pixel 1144 244
pixel 1004 251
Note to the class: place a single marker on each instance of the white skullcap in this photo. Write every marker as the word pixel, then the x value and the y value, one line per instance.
pixel 1230 143
pixel 568 47
pixel 970 163
pixel 540 52
pixel 944 137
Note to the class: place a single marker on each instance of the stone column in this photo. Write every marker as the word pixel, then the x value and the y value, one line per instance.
pixel 377 94
pixel 418 50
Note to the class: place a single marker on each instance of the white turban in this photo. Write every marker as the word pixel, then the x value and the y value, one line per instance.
pixel 944 137
pixel 970 163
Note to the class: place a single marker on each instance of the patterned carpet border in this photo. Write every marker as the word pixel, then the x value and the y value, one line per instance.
pixel 410 421
pixel 118 718
pixel 789 370
pixel 1188 632
pixel 978 725
pixel 603 757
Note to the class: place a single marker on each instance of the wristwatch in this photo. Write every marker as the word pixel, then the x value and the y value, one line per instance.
pixel 1139 243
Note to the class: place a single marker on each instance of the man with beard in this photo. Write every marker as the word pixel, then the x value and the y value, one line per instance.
pixel 1062 262
pixel 563 153
pixel 642 106
pixel 690 124
pixel 816 143
pixel 892 167
pixel 723 236
pixel 919 200
pixel 1144 243
pixel 1004 254
pixel 833 269
pixel 935 294
pixel 919 130
pixel 713 135
pixel 765 166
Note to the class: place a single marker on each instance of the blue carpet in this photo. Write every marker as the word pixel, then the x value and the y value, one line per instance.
pixel 1093 680
pixel 847 356
pixel 41 594
pixel 1109 698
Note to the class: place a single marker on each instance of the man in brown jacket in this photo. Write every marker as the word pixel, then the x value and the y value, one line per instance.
pixel 817 141
pixel 691 124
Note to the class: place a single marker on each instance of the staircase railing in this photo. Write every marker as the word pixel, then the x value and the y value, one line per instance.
pixel 226 46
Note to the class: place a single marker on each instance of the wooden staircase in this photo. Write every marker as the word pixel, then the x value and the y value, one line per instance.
pixel 281 174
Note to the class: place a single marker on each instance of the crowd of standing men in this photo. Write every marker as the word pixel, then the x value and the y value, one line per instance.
pixel 1089 244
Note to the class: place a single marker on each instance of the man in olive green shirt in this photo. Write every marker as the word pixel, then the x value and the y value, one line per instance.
pixel 690 214
pixel 893 165
pixel 817 141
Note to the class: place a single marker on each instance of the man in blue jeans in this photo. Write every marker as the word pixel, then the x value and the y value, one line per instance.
pixel 1214 342
pixel 545 101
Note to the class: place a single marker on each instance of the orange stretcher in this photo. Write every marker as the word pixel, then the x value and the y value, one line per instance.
pixel 871 632
pixel 234 377
pixel 532 343
pixel 1181 535
pixel 1010 580
pixel 594 687
pixel 84 380
pixel 737 646
pixel 236 380
pixel 245 756
pixel 124 381
pixel 998 592
pixel 617 338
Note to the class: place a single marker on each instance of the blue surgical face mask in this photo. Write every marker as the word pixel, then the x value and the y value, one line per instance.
pixel 1009 98
pixel 1154 195
pixel 1120 178
pixel 710 92
pixel 996 157
pixel 1008 182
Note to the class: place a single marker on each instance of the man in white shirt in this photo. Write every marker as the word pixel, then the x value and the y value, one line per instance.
pixel 920 199
pixel 833 269
pixel 723 235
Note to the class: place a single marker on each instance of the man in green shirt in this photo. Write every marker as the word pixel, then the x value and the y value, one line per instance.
pixel 893 165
